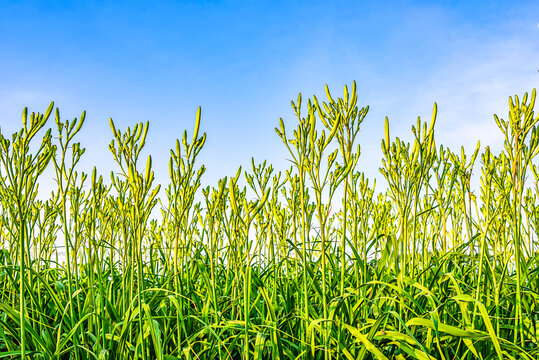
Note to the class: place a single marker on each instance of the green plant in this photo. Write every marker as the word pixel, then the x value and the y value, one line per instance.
pixel 314 262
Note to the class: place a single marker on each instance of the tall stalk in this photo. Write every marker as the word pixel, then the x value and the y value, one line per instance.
pixel 66 178
pixel 521 147
pixel 126 154
pixel 345 110
pixel 21 169
pixel 185 181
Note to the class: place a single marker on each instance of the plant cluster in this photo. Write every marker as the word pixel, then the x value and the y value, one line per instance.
pixel 308 263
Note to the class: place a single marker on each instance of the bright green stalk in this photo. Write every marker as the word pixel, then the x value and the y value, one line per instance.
pixel 350 116
pixel 144 200
pixel 22 171
pixel 65 177
pixel 301 160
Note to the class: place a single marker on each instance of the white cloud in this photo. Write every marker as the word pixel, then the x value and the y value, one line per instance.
pixel 474 84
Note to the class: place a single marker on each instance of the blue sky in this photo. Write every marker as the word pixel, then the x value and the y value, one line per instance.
pixel 244 61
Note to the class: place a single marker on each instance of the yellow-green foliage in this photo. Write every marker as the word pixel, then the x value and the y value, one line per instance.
pixel 308 263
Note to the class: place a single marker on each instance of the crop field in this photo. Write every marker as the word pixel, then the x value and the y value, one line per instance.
pixel 311 262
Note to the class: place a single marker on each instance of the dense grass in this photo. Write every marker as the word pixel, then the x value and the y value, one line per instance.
pixel 308 263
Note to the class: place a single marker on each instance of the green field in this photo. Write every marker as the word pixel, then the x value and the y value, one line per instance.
pixel 312 262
